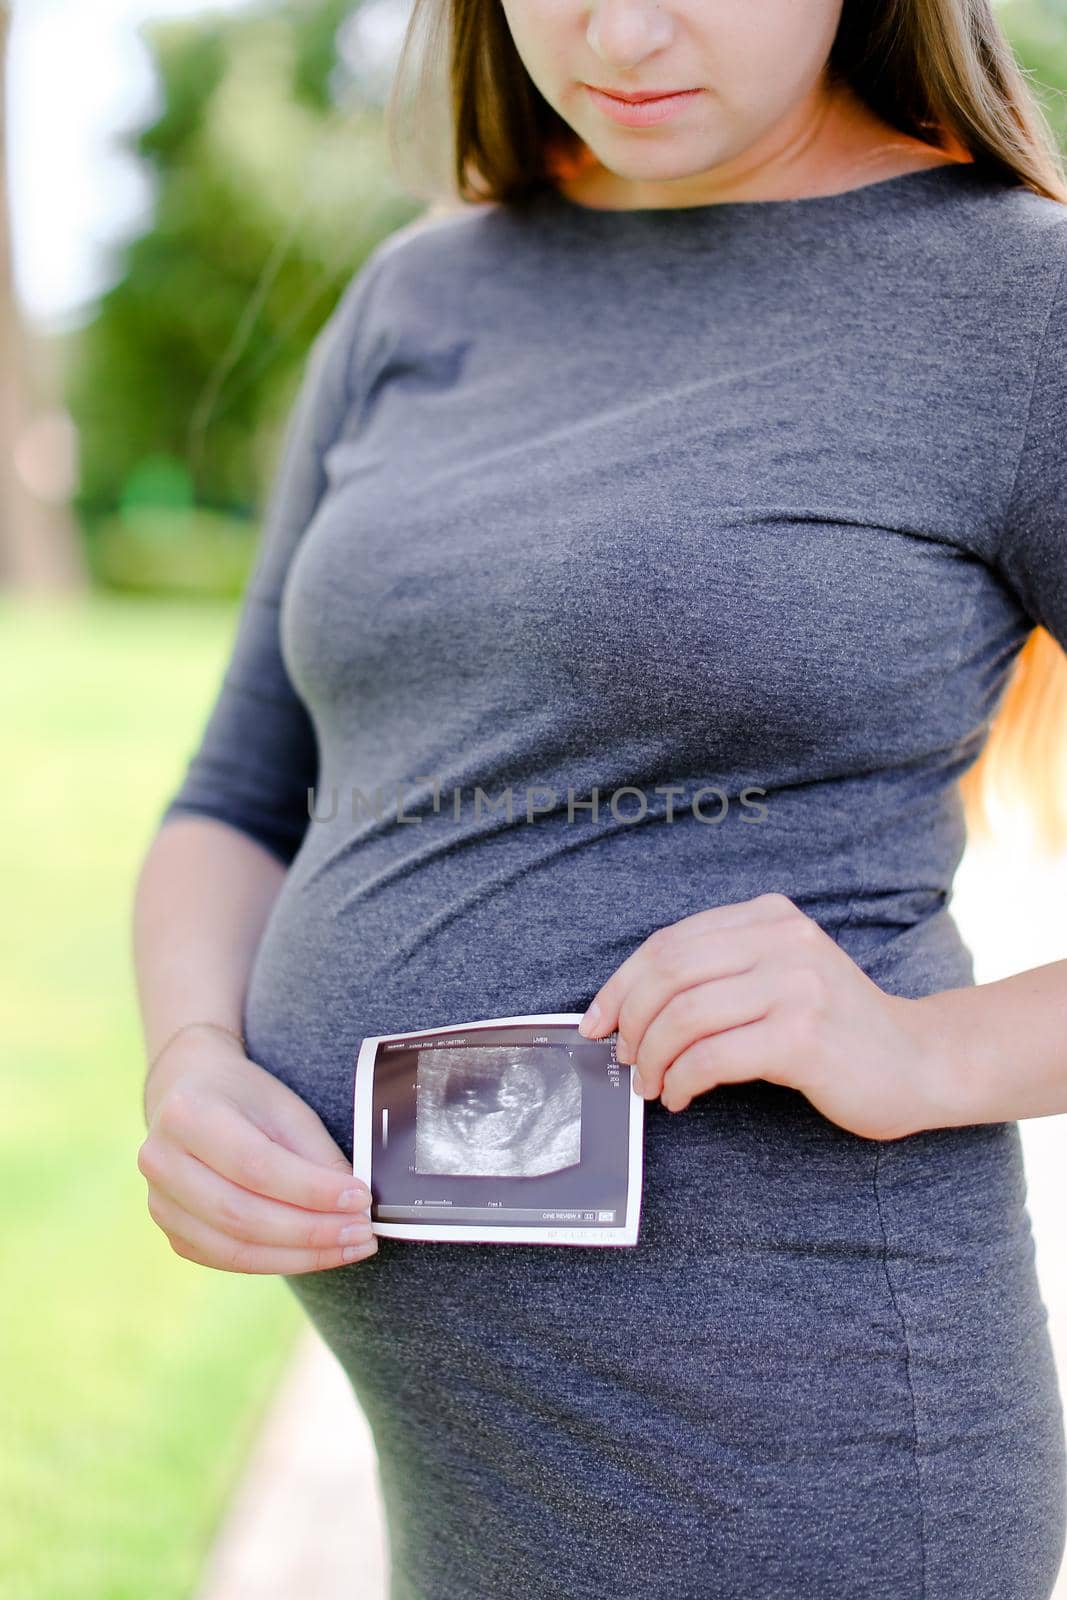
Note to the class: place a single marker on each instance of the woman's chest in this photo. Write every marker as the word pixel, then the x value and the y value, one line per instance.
pixel 739 538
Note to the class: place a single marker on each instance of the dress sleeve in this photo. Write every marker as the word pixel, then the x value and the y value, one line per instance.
pixel 257 756
pixel 1032 555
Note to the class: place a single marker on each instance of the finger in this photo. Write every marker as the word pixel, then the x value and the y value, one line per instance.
pixel 198 1241
pixel 288 1119
pixel 611 994
pixel 224 1139
pixel 674 968
pixel 705 1009
pixel 241 1214
pixel 755 1050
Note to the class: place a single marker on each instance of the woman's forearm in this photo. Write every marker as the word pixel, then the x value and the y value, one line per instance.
pixel 1004 1044
pixel 202 898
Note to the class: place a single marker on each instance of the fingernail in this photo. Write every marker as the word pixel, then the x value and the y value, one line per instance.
pixel 622 1051
pixel 355 1231
pixel 639 1084
pixel 351 1251
pixel 354 1199
pixel 590 1021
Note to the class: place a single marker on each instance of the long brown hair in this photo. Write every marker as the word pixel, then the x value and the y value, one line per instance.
pixel 463 104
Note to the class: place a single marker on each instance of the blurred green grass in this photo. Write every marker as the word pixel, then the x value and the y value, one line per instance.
pixel 133 1380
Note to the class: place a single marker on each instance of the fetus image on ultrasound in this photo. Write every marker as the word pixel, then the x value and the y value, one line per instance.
pixel 497 1112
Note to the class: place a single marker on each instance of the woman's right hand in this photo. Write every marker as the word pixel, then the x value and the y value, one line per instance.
pixel 242 1174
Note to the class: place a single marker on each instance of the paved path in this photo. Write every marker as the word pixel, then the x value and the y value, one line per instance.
pixel 307 1521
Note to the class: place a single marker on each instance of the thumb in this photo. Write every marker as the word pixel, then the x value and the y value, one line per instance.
pixel 288 1119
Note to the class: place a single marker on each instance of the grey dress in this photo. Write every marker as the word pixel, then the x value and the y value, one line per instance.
pixel 760 498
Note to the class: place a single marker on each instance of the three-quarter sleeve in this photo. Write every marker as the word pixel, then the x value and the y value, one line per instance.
pixel 257 756
pixel 1032 554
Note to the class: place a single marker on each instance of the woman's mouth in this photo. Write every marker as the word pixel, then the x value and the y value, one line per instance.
pixel 644 112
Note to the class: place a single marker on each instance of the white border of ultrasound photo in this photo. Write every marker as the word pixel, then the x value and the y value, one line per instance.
pixel 362 1119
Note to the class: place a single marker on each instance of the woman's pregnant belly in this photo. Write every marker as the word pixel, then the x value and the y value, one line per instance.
pixel 420 927
pixel 825 1364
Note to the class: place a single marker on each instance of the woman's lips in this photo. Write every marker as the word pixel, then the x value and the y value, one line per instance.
pixel 640 113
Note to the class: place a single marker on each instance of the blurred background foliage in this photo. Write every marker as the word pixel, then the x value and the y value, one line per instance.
pixel 272 186
pixel 1039 38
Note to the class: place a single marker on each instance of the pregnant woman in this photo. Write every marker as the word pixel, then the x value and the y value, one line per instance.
pixel 699 480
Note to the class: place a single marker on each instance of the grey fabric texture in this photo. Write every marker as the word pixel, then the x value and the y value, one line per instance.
pixel 760 499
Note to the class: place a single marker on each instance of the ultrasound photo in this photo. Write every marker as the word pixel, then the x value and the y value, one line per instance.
pixel 510 1130
pixel 497 1112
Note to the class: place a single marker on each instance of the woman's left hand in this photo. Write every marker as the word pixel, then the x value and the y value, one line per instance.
pixel 758 990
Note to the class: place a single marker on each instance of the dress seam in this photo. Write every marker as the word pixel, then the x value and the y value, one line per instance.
pixel 907 1372
pixel 1004 530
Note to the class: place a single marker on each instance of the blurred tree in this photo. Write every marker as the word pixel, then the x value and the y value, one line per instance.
pixel 39 548
pixel 272 185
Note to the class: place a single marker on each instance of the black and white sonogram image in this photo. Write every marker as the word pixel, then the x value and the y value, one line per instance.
pixel 496 1111
pixel 512 1130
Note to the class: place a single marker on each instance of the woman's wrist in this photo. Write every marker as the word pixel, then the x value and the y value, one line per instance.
pixel 996 1051
pixel 195 1023
pixel 946 1053
pixel 157 1062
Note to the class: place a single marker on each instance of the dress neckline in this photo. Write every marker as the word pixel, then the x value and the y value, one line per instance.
pixel 902 186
